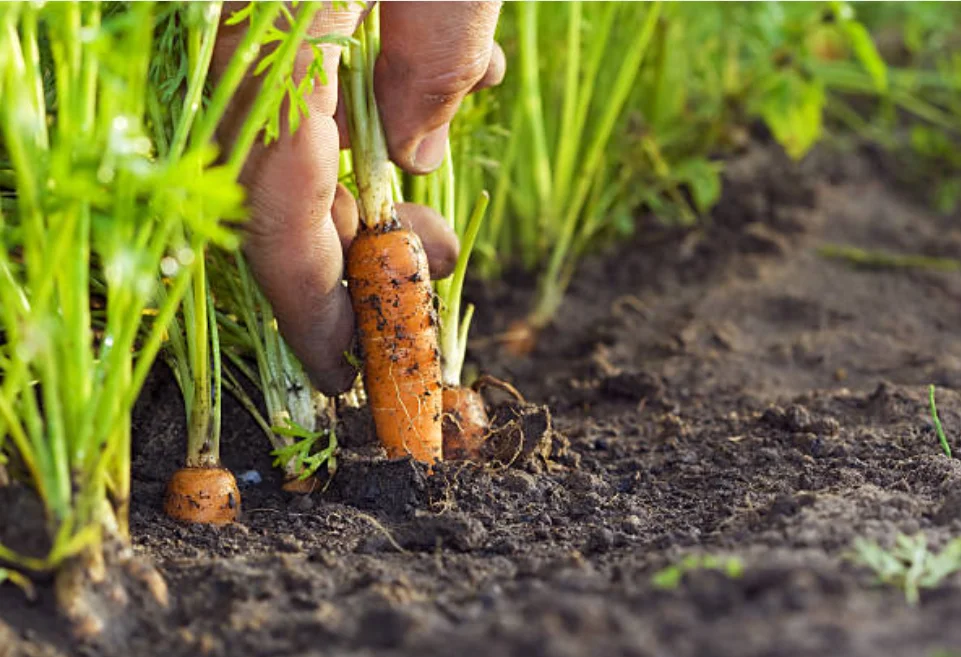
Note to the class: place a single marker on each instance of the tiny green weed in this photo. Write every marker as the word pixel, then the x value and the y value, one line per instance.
pixel 937 423
pixel 19 580
pixel 669 578
pixel 909 565
pixel 301 455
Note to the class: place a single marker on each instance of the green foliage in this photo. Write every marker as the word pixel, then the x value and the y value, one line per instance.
pixel 909 565
pixel 442 191
pixel 110 191
pixel 18 580
pixel 89 185
pixel 563 112
pixel 302 455
pixel 250 330
pixel 580 159
pixel 670 578
pixel 294 94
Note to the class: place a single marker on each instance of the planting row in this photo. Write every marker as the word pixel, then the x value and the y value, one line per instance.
pixel 124 172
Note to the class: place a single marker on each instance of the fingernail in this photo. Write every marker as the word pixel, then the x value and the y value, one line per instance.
pixel 430 152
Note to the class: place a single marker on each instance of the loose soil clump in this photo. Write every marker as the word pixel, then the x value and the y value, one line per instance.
pixel 724 391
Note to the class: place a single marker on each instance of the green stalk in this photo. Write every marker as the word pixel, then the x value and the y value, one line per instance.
pixel 504 181
pixel 552 288
pixel 531 95
pixel 201 450
pixel 453 328
pixel 195 85
pixel 569 136
pixel 597 55
pixel 942 438
pixel 371 163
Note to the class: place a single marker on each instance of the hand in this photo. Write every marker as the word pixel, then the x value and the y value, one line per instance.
pixel 432 55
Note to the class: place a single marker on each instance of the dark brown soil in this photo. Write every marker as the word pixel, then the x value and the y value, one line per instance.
pixel 727 392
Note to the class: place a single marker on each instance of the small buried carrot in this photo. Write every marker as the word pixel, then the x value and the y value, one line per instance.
pixel 466 423
pixel 202 495
pixel 389 283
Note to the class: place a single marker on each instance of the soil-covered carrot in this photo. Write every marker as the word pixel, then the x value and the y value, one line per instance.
pixel 465 424
pixel 390 289
pixel 202 495
pixel 388 280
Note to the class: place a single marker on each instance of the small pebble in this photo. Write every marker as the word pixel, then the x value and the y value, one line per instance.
pixel 249 478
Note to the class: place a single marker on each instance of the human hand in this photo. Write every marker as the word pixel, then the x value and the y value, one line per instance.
pixel 432 55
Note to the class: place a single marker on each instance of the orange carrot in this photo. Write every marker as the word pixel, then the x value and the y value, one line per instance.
pixel 465 424
pixel 301 486
pixel 202 495
pixel 389 283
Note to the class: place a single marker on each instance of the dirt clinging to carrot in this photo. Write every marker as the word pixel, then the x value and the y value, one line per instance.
pixel 390 289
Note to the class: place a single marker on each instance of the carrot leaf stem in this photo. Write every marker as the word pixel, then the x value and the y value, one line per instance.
pixel 371 163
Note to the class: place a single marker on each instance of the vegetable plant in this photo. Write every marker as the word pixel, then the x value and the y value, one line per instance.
pixel 670 577
pixel 556 173
pixel 910 565
pixel 388 278
pixel 90 186
pixel 114 182
pixel 943 439
pixel 203 491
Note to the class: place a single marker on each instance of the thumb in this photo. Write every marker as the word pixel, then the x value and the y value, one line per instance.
pixel 432 55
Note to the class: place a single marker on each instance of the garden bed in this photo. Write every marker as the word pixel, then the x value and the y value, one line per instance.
pixel 727 391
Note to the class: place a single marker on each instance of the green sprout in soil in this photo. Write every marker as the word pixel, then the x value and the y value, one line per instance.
pixel 19 580
pixel 943 439
pixel 909 565
pixel 670 578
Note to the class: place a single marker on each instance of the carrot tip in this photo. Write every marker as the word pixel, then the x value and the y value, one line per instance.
pixel 202 496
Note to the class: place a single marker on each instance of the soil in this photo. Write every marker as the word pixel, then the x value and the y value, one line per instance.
pixel 724 391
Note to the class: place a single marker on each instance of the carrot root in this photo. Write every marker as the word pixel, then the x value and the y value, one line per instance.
pixel 202 496
pixel 488 381
pixel 465 425
pixel 389 284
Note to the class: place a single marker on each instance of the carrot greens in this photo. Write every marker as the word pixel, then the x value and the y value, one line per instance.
pixel 107 160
